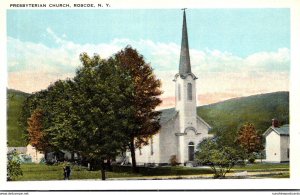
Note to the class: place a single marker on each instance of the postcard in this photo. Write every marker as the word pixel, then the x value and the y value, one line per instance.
pixel 141 95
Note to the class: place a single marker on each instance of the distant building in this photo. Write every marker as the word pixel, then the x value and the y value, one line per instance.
pixel 21 150
pixel 36 156
pixel 50 157
pixel 181 128
pixel 277 142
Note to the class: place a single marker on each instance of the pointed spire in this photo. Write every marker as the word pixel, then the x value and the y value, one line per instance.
pixel 184 63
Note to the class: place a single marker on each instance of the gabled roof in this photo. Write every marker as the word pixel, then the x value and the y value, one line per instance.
pixel 282 130
pixel 170 113
pixel 167 114
pixel 205 123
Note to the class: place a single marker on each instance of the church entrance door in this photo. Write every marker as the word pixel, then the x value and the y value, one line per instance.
pixel 191 149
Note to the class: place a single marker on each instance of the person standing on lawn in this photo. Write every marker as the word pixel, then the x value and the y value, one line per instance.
pixel 67 171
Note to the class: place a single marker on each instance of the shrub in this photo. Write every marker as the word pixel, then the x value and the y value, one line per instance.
pixel 173 160
pixel 220 158
pixel 251 159
pixel 13 166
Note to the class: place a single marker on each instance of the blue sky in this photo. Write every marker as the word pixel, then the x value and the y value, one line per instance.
pixel 222 42
pixel 238 31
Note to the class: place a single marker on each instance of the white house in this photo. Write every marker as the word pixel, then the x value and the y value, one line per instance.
pixel 277 143
pixel 36 156
pixel 181 128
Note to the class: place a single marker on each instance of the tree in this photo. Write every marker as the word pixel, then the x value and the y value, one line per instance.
pixel 59 129
pixel 35 131
pixel 143 120
pixel 40 111
pixel 249 139
pixel 91 114
pixel 13 166
pixel 220 158
pixel 107 107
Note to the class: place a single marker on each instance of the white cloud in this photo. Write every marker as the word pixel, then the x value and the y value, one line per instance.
pixel 270 61
pixel 32 66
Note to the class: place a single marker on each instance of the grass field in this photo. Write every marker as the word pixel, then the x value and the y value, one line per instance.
pixel 263 167
pixel 42 172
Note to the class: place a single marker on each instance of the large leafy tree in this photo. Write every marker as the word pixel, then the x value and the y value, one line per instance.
pixel 42 110
pixel 107 107
pixel 87 114
pixel 92 123
pixel 143 121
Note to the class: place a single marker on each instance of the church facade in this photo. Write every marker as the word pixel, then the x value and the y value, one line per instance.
pixel 181 128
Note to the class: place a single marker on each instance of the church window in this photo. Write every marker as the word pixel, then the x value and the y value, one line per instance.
pixel 189 91
pixel 140 151
pixel 191 151
pixel 152 152
pixel 179 95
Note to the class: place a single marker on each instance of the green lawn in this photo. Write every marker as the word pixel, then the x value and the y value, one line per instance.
pixel 42 172
pixel 264 167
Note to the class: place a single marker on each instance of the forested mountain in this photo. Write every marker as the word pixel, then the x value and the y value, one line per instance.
pixel 257 109
pixel 15 133
pixel 228 115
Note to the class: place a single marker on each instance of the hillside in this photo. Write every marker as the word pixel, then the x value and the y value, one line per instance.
pixel 228 115
pixel 14 105
pixel 257 109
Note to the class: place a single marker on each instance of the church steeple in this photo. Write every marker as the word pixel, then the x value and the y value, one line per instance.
pixel 184 63
pixel 186 101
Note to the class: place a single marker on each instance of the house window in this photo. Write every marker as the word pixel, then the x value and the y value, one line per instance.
pixel 191 151
pixel 288 153
pixel 179 95
pixel 140 151
pixel 189 91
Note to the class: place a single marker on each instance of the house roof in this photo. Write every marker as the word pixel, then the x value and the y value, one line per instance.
pixel 167 114
pixel 282 130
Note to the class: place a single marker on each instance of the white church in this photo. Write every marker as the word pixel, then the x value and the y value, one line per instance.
pixel 181 128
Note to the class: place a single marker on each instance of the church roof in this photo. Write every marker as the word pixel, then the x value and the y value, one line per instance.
pixel 184 63
pixel 282 130
pixel 167 114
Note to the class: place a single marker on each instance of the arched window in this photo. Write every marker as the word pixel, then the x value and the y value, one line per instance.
pixel 191 151
pixel 179 95
pixel 189 91
pixel 152 152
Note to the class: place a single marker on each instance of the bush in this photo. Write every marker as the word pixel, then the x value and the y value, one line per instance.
pixel 220 158
pixel 173 160
pixel 251 158
pixel 14 166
